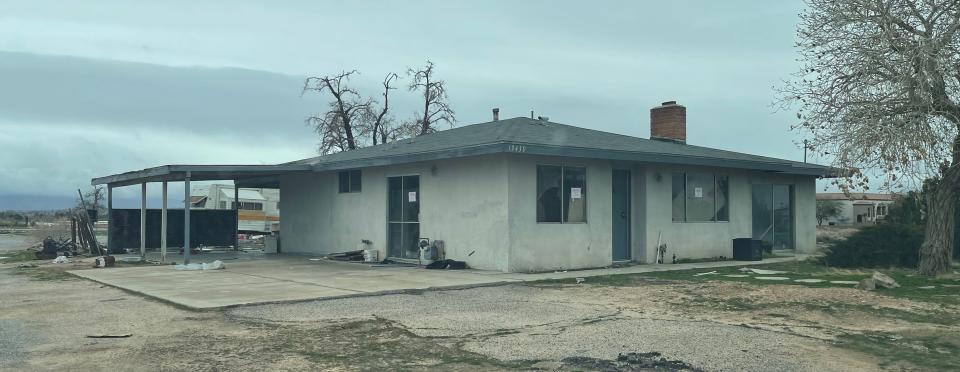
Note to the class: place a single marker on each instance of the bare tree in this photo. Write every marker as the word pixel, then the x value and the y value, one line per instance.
pixel 380 122
pixel 94 199
pixel 340 127
pixel 878 92
pixel 827 209
pixel 436 109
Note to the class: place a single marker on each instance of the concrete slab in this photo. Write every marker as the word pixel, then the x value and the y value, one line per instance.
pixel 267 279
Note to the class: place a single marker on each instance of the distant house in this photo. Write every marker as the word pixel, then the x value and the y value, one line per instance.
pixel 527 195
pixel 857 208
pixel 258 211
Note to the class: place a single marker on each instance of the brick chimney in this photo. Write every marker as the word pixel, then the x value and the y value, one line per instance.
pixel 668 122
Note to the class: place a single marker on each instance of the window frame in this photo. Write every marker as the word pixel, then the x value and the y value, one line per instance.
pixel 563 209
pixel 349 173
pixel 686 181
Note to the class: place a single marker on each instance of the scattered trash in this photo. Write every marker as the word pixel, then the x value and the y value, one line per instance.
pixel 371 255
pixel 626 362
pixel 215 265
pixel 316 259
pixel 850 282
pixel 110 336
pixel 762 271
pixel 771 278
pixel 131 259
pixel 3 258
pixel 447 264
pixel 61 260
pixel 927 287
pixel 580 280
pixel 105 261
pixel 884 280
pixel 867 284
pixel 809 280
pixel 347 256
pixel 706 273
pixel 737 276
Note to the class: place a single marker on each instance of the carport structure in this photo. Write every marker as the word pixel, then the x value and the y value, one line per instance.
pixel 253 176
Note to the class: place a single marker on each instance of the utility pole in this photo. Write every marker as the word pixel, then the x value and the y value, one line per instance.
pixel 804 151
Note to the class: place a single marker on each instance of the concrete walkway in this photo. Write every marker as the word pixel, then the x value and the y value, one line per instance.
pixel 294 278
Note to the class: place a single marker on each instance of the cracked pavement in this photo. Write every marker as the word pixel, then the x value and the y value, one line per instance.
pixel 549 323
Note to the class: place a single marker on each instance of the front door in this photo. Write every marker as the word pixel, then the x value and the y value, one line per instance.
pixel 403 217
pixel 773 215
pixel 621 215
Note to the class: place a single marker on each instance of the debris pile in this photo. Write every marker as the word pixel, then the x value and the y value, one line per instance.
pixel 627 362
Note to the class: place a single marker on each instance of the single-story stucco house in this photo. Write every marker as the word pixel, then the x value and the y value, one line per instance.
pixel 527 195
pixel 856 208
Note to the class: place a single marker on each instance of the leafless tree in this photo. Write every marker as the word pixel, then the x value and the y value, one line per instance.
pixel 340 127
pixel 436 109
pixel 878 92
pixel 93 199
pixel 380 121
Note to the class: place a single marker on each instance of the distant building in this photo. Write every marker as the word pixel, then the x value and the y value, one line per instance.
pixel 259 210
pixel 857 208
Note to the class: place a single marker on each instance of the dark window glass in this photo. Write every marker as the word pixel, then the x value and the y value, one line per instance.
pixel 395 209
pixel 411 198
pixel 349 181
pixel 355 180
pixel 700 197
pixel 344 181
pixel 679 197
pixel 549 208
pixel 722 197
pixel 574 194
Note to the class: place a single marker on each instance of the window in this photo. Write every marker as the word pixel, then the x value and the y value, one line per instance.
pixel 881 210
pixel 561 194
pixel 223 205
pixel 700 197
pixel 349 181
pixel 247 206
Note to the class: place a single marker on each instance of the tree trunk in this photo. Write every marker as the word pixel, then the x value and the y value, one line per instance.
pixel 936 253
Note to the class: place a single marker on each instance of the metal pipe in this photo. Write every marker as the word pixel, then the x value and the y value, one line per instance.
pixel 186 218
pixel 236 213
pixel 163 225
pixel 143 220
pixel 109 219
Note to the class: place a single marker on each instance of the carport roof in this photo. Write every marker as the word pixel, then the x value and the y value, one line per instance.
pixel 517 135
pixel 245 175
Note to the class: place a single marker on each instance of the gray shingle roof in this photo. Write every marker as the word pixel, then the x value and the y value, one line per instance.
pixel 524 135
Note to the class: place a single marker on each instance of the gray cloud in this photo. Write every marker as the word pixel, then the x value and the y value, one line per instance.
pixel 110 86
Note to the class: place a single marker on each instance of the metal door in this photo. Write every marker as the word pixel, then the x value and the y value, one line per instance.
pixel 621 215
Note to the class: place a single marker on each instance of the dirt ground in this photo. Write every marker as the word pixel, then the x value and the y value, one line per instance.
pixel 46 318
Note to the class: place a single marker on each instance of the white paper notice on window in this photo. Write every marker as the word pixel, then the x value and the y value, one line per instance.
pixel 576 193
pixel 412 196
pixel 698 192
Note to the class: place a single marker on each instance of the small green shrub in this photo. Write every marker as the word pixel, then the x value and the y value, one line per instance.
pixel 883 245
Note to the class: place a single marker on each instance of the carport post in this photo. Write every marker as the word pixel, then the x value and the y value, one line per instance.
pixel 186 218
pixel 163 225
pixel 143 220
pixel 236 212
pixel 109 219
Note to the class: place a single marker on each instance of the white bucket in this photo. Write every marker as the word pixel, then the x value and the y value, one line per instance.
pixel 371 255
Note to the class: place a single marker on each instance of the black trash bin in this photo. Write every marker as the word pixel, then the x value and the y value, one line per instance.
pixel 746 249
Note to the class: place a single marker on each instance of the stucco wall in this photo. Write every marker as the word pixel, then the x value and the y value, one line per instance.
pixel 553 246
pixel 484 208
pixel 712 239
pixel 462 202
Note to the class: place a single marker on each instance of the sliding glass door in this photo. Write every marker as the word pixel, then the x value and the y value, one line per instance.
pixel 773 215
pixel 403 217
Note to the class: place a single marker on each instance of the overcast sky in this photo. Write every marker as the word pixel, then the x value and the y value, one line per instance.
pixel 94 88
